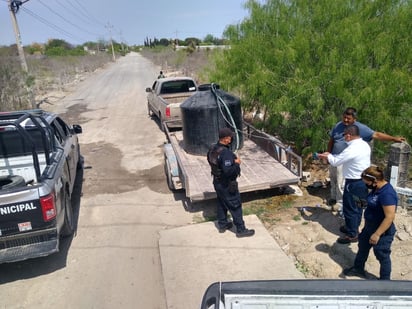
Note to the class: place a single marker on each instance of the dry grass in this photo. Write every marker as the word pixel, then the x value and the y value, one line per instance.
pixel 188 64
pixel 46 74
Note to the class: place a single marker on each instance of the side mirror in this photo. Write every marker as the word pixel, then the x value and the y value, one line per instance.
pixel 77 129
pixel 148 89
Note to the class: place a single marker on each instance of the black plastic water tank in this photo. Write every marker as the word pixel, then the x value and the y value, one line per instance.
pixel 202 117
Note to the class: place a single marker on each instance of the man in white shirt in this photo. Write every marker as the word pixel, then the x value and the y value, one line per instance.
pixel 354 160
pixel 337 144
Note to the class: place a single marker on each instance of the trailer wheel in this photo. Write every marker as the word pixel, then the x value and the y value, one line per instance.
pixel 168 175
pixel 11 181
pixel 68 225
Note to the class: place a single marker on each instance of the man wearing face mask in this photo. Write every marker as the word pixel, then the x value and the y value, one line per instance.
pixel 225 168
pixel 355 158
pixel 379 229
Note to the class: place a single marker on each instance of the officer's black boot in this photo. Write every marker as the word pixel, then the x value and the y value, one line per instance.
pixel 245 233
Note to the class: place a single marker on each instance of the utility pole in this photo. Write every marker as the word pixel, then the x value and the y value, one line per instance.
pixel 14 6
pixel 111 41
pixel 121 40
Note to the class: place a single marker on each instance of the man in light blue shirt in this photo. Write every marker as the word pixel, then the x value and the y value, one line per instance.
pixel 337 144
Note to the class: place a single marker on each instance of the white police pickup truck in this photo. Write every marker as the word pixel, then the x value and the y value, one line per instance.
pixel 309 294
pixel 39 160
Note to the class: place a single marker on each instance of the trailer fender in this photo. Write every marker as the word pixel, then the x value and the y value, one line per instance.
pixel 171 168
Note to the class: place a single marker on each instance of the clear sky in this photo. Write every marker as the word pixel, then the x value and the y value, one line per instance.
pixel 128 21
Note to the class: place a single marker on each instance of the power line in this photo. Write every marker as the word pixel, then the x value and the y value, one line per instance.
pixel 66 20
pixel 75 13
pixel 87 13
pixel 77 10
pixel 51 25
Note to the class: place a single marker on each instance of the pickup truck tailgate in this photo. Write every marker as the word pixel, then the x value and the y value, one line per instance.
pixel 293 294
pixel 23 232
pixel 21 217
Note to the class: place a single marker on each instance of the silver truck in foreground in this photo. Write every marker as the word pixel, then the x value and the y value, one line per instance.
pixel 309 294
pixel 39 160
pixel 166 95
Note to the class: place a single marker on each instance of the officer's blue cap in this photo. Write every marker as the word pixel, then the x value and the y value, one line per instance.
pixel 224 132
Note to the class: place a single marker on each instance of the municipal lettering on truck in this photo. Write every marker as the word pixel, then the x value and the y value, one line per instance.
pixel 39 160
pixel 166 95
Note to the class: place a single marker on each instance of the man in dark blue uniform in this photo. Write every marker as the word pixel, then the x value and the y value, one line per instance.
pixel 225 170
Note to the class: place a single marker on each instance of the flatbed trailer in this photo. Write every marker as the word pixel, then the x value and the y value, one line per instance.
pixel 266 163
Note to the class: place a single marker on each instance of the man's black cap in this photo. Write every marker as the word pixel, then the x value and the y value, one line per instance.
pixel 224 132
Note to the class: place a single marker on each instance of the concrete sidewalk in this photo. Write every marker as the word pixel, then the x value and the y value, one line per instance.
pixel 195 256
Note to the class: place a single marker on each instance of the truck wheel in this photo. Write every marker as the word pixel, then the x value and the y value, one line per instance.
pixel 163 127
pixel 68 225
pixel 11 181
pixel 168 175
pixel 161 123
pixel 149 110
pixel 80 162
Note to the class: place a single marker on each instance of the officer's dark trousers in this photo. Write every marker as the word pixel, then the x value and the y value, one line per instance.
pixel 382 249
pixel 354 191
pixel 228 201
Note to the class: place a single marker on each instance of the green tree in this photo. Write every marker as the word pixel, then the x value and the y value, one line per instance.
pixel 35 48
pixel 164 42
pixel 304 61
pixel 57 47
pixel 209 39
pixel 192 41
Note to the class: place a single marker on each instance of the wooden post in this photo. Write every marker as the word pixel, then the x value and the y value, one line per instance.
pixel 20 50
pixel 398 168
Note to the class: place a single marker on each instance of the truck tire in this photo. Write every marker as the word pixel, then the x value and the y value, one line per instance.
pixel 161 123
pixel 149 110
pixel 68 225
pixel 11 181
pixel 80 162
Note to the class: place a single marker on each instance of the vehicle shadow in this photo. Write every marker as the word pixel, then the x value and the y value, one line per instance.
pixel 31 268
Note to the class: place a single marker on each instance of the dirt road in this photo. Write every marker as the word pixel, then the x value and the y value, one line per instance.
pixel 113 260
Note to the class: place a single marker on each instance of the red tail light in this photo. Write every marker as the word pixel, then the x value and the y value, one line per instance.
pixel 48 207
pixel 167 111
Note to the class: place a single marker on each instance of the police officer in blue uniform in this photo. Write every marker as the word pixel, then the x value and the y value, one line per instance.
pixel 379 229
pixel 225 167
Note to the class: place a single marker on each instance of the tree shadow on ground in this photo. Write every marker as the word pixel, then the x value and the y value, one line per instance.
pixel 329 220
